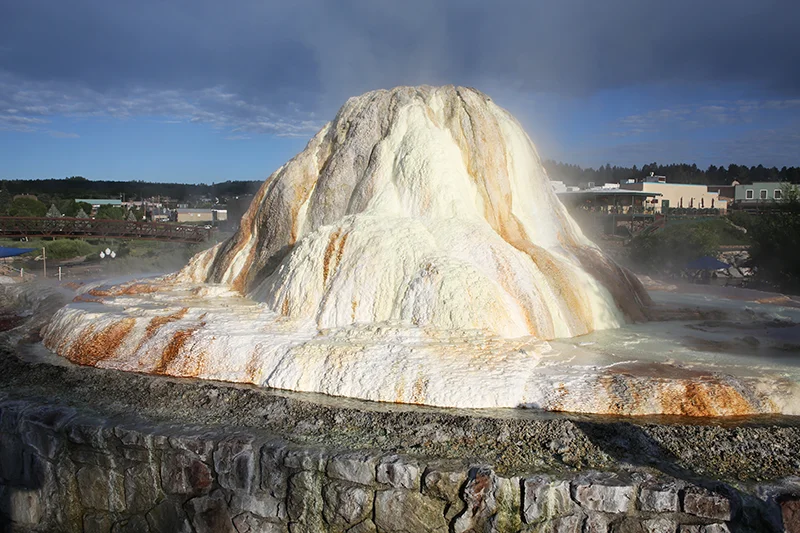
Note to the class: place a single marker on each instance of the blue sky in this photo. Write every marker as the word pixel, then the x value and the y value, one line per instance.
pixel 202 91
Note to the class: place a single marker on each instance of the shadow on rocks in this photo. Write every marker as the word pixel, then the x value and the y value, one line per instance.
pixel 21 478
pixel 631 444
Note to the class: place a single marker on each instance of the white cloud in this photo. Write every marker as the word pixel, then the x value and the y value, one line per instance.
pixel 29 106
pixel 697 116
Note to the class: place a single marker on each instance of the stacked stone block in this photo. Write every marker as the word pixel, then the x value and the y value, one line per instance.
pixel 61 470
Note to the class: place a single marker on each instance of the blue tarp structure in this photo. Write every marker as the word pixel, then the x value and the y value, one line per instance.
pixel 11 252
pixel 707 263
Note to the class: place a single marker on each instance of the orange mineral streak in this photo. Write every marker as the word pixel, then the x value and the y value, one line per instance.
pixel 329 254
pixel 495 191
pixel 126 290
pixel 87 298
pixel 92 347
pixel 227 253
pixel 192 364
pixel 418 391
pixel 705 398
pixel 252 367
pixel 173 350
pixel 157 322
pixel 638 388
pixel 270 239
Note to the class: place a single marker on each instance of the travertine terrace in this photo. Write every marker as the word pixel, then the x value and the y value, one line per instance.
pixel 414 252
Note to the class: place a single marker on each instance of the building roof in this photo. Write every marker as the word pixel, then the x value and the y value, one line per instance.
pixel 100 201
pixel 184 210
pixel 598 191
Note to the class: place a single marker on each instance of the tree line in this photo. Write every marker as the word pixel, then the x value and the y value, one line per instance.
pixel 80 187
pixel 675 173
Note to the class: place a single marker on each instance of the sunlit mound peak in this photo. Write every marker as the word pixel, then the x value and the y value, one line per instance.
pixel 422 206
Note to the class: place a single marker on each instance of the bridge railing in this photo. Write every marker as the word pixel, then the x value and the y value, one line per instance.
pixel 100 228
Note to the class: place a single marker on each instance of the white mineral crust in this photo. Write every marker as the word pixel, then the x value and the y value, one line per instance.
pixel 413 252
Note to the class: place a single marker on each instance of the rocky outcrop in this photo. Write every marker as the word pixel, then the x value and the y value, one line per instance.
pixel 65 471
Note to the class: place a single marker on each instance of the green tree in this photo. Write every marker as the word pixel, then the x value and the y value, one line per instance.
pixel 5 200
pixel 110 212
pixel 775 249
pixel 53 212
pixel 27 206
pixel 790 194
pixel 668 250
pixel 86 207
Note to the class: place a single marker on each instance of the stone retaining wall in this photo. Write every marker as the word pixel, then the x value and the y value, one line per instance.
pixel 62 470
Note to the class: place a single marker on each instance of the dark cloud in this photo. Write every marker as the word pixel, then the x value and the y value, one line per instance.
pixel 309 55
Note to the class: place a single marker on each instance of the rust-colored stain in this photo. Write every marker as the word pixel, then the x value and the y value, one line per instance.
pixel 192 364
pixel 285 307
pixel 479 488
pixel 353 306
pixel 158 321
pixel 199 475
pixel 557 404
pixel 711 398
pixel 93 347
pixel 674 391
pixel 74 285
pixel 340 250
pixel 251 369
pixel 418 390
pixel 399 391
pixel 125 290
pixel 86 298
pixel 173 349
pixel 326 259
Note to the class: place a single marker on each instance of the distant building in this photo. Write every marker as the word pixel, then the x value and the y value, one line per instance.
pixel 558 186
pixel 609 200
pixel 185 215
pixel 762 192
pixel 726 192
pixel 677 195
pixel 97 202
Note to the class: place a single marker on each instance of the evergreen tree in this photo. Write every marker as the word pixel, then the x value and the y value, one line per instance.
pixel 5 200
pixel 53 212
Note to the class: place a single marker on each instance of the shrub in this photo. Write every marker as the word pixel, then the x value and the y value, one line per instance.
pixel 669 249
pixel 68 248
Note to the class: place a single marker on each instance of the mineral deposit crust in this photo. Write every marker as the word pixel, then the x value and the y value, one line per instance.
pixel 414 252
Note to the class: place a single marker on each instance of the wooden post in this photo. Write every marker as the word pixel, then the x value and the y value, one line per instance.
pixel 59 273
pixel 44 261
